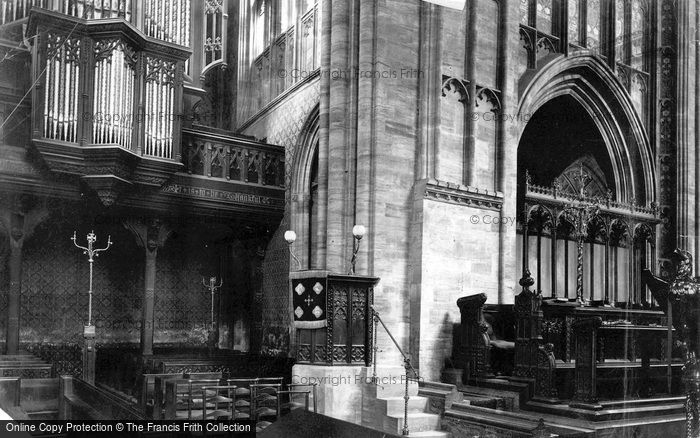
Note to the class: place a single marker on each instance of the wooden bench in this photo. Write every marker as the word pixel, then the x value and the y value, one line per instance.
pixel 80 400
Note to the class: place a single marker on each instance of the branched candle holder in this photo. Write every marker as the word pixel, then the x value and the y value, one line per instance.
pixel 92 253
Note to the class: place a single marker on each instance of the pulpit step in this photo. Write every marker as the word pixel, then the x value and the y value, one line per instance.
pixel 397 389
pixel 395 405
pixel 430 434
pixel 417 422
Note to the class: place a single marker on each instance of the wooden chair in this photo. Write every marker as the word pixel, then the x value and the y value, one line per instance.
pixel 216 396
pixel 293 399
pixel 242 406
pixel 265 406
pixel 298 388
pixel 189 394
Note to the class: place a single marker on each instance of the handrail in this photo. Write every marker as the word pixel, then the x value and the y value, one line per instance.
pixel 406 363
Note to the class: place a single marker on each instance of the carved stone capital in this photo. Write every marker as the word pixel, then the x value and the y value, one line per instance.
pixel 20 217
pixel 150 234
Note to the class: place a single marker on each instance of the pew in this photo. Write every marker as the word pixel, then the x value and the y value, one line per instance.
pixel 80 400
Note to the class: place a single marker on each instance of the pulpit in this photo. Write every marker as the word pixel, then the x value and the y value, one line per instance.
pixel 332 317
pixel 333 324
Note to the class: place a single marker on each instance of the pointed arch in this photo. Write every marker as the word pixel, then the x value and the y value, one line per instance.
pixel 595 87
pixel 304 168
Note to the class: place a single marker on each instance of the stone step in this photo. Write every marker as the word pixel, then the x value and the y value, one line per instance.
pixel 485 417
pixel 483 401
pixel 43 415
pixel 417 422
pixel 430 434
pixel 389 390
pixel 668 408
pixel 395 405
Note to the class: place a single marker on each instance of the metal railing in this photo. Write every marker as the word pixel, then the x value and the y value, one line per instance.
pixel 406 363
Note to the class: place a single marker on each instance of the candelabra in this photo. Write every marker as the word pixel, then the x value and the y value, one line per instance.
pixel 358 232
pixel 89 352
pixel 212 287
pixel 92 253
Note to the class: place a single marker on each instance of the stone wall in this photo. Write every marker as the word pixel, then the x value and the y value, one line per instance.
pixel 282 124
pixel 454 252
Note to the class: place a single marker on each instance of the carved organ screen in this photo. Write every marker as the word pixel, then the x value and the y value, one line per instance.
pixel 160 101
pixel 62 88
pixel 11 10
pixel 114 93
pixel 110 85
pixel 168 20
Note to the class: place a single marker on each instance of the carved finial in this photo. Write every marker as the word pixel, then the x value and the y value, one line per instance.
pixel 556 186
pixel 527 281
pixel 528 178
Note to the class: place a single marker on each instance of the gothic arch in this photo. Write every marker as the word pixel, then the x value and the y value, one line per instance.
pixel 301 179
pixel 594 86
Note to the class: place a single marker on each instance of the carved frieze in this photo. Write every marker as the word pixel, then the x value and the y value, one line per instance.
pixel 463 195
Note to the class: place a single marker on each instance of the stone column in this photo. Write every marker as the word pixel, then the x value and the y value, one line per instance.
pixel 19 221
pixel 150 237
